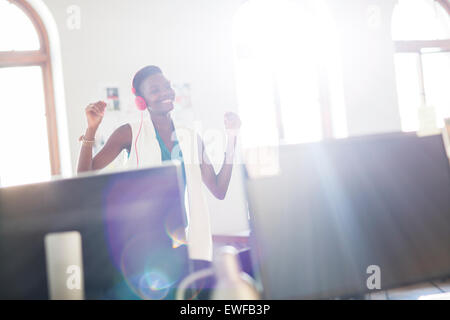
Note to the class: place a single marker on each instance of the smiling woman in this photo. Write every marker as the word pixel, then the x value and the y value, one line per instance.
pixel 158 138
pixel 27 89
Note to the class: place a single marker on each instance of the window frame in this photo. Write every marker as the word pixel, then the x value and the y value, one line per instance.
pixel 419 47
pixel 41 58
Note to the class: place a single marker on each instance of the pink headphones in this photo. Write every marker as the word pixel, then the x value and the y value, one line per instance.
pixel 140 102
pixel 142 106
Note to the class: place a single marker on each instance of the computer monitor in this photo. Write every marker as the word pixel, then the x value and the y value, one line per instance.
pixel 348 216
pixel 132 235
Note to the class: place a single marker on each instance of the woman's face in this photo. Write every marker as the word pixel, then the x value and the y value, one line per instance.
pixel 158 93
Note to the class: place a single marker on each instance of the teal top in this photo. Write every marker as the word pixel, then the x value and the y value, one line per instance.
pixel 166 155
pixel 176 154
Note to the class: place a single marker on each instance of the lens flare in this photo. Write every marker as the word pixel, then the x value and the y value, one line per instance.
pixel 154 286
pixel 178 236
pixel 145 236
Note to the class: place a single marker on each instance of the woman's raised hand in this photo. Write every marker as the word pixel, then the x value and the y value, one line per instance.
pixel 232 123
pixel 94 114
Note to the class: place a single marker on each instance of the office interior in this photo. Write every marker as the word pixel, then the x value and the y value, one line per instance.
pixel 296 73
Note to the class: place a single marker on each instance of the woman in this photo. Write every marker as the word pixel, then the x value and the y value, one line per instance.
pixel 155 94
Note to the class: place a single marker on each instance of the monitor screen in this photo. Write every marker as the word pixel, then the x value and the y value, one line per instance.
pixel 132 234
pixel 341 211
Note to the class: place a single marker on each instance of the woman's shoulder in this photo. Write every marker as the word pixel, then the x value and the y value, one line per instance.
pixel 123 130
pixel 123 135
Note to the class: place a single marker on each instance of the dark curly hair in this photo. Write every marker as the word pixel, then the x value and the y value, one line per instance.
pixel 143 74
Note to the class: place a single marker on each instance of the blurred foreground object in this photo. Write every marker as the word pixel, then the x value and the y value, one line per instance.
pixel 446 136
pixel 232 283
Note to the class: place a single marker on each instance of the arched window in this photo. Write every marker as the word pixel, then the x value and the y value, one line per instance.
pixel 421 33
pixel 28 132
pixel 288 83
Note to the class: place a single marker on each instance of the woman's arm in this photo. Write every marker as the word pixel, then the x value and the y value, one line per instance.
pixel 119 140
pixel 218 184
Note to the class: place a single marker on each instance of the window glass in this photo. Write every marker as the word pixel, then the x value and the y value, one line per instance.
pixel 23 127
pixel 278 49
pixel 17 32
pixel 420 20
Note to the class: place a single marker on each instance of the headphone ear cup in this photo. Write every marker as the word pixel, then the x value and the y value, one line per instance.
pixel 140 103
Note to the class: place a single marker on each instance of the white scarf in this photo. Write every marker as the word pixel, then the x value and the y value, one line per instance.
pixel 199 231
